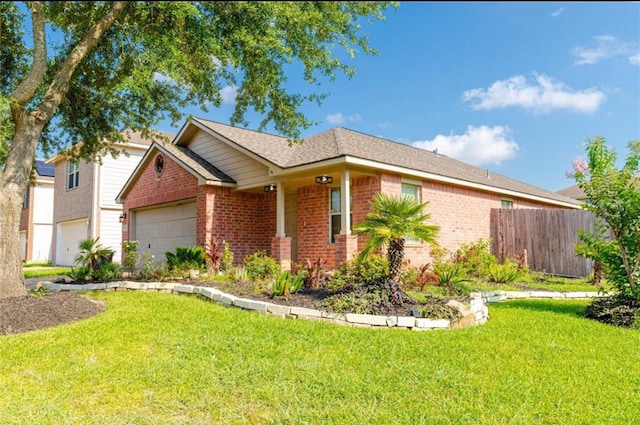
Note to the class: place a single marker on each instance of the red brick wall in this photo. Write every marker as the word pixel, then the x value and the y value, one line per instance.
pixel 313 224
pixel 245 220
pixel 174 184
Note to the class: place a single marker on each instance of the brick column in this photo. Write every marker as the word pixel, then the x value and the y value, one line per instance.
pixel 281 251
pixel 346 247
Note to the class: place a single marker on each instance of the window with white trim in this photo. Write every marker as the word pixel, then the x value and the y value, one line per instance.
pixel 335 213
pixel 412 190
pixel 73 174
pixel 506 204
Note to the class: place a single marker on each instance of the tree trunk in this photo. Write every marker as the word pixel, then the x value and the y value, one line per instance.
pixel 14 181
pixel 11 277
pixel 395 255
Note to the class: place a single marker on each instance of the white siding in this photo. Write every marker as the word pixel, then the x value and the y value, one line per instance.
pixel 111 232
pixel 43 204
pixel 245 170
pixel 41 251
pixel 113 175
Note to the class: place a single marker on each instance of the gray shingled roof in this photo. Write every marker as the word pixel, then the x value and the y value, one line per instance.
pixel 200 165
pixel 340 142
pixel 573 192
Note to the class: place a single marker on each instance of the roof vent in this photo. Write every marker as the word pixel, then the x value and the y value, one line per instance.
pixel 488 176
pixel 436 151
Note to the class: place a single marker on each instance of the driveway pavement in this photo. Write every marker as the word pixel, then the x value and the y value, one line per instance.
pixel 33 281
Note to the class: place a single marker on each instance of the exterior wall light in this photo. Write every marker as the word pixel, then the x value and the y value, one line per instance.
pixel 271 188
pixel 324 179
pixel 122 217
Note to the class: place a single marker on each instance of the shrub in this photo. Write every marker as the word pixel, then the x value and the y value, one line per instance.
pixel 476 257
pixel 240 274
pixel 358 272
pixel 351 302
pixel 285 284
pixel 504 273
pixel 130 249
pixel 436 308
pixel 107 272
pixel 313 274
pixel 226 261
pixel 212 257
pixel 186 257
pixel 92 255
pixel 452 276
pixel 259 266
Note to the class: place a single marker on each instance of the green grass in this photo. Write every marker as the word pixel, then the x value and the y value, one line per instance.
pixel 33 271
pixel 154 358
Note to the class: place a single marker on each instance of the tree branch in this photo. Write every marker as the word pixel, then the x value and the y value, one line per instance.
pixel 28 87
pixel 60 83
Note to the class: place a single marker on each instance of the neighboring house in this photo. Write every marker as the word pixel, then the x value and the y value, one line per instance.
pixel 573 192
pixel 37 216
pixel 84 203
pixel 256 192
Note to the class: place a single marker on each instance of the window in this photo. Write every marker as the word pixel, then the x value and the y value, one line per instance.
pixel 25 201
pixel 507 204
pixel 335 213
pixel 73 174
pixel 412 190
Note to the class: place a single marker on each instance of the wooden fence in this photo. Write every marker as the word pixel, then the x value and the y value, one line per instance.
pixel 547 238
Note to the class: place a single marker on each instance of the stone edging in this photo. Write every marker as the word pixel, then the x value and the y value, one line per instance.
pixel 476 314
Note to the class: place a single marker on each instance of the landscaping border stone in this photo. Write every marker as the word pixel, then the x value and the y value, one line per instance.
pixel 476 313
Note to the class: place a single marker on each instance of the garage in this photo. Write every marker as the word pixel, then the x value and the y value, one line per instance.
pixel 163 229
pixel 68 239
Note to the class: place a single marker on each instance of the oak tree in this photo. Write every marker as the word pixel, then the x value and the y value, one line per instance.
pixel 88 71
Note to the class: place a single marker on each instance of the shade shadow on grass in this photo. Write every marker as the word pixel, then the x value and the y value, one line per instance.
pixel 570 308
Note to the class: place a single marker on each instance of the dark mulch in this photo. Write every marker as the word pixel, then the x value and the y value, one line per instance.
pixel 31 312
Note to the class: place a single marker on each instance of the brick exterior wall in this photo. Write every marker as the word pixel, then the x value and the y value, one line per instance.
pixel 245 220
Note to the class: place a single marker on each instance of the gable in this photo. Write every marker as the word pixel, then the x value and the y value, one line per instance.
pixel 242 168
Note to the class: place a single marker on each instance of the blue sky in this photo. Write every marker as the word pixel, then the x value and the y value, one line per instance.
pixel 516 88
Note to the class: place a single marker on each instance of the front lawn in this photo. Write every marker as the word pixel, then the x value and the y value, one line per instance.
pixel 161 358
pixel 39 271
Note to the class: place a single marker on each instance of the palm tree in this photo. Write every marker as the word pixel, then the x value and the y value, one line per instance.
pixel 93 254
pixel 391 220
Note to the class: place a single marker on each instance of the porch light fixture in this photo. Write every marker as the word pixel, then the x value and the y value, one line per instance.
pixel 122 217
pixel 324 179
pixel 271 188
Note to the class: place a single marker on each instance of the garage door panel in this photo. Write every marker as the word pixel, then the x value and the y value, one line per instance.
pixel 164 229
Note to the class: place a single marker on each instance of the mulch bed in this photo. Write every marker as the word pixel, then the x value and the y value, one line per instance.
pixel 31 312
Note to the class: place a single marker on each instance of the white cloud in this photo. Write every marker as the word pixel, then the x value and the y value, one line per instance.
pixel 479 145
pixel 558 12
pixel 228 94
pixel 635 59
pixel 340 118
pixel 607 46
pixel 542 96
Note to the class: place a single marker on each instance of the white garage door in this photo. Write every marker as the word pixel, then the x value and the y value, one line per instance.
pixel 68 239
pixel 164 229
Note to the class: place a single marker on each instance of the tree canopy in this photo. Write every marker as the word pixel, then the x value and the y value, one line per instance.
pixel 90 71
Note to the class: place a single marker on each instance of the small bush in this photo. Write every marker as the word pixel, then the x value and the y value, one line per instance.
pixel 186 257
pixel 476 257
pixel 504 273
pixel 259 266
pixel 452 276
pixel 130 249
pixel 226 261
pixel 351 302
pixel 354 273
pixel 285 284
pixel 436 308
pixel 108 272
